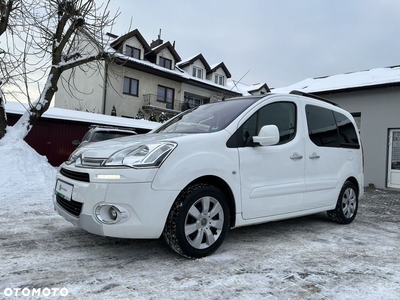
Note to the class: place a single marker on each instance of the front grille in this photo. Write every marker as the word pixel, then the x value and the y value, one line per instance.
pixel 73 207
pixel 75 175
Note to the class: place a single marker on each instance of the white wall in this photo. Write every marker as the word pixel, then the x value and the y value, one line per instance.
pixel 134 42
pixel 84 90
pixel 128 105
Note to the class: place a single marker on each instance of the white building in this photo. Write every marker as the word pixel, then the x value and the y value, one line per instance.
pixel 151 78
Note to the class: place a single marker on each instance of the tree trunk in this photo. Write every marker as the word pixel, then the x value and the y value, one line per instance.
pixel 38 108
pixel 3 117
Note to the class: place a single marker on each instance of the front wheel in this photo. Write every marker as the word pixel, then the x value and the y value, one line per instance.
pixel 198 221
pixel 347 205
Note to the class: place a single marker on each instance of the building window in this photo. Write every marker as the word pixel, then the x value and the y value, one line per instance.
pixel 219 79
pixel 197 72
pixel 165 62
pixel 132 52
pixel 131 86
pixel 165 94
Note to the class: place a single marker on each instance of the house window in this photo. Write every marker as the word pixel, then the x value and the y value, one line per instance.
pixel 165 94
pixel 132 52
pixel 219 79
pixel 165 62
pixel 197 72
pixel 131 86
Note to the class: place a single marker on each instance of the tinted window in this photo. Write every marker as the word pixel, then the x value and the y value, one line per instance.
pixel 281 114
pixel 347 133
pixel 322 126
pixel 209 117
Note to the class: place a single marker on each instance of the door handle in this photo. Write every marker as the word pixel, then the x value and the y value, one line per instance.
pixel 314 156
pixel 296 156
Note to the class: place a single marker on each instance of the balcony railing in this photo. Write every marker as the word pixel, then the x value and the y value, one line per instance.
pixel 151 100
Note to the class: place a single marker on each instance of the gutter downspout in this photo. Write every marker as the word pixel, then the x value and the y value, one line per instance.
pixel 105 84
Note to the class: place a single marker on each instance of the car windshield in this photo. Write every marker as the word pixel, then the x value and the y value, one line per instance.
pixel 209 117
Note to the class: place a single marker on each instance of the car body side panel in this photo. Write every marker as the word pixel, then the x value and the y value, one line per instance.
pixel 190 161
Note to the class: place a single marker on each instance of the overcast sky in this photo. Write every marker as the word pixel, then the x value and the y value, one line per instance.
pixel 279 42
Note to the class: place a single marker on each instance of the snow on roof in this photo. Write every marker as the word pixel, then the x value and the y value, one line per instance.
pixel 186 60
pixel 67 114
pixel 358 79
pixel 178 72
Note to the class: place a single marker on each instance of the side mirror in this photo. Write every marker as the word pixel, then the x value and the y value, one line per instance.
pixel 76 142
pixel 268 135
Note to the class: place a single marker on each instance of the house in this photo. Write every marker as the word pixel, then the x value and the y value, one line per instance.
pixel 245 90
pixel 144 77
pixel 373 97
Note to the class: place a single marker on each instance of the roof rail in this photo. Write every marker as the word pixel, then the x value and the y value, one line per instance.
pixel 295 92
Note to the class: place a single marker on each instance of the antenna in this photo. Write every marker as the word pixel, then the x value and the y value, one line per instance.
pixel 235 83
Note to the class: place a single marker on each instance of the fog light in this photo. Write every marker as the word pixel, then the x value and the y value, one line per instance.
pixel 110 214
pixel 113 213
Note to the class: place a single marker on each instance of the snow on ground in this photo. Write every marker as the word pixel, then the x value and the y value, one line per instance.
pixel 303 258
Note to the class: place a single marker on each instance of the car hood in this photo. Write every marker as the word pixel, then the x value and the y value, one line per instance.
pixel 105 148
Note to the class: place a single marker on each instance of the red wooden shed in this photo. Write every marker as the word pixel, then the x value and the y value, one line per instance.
pixel 54 132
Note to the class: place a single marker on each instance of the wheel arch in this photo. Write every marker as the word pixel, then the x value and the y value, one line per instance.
pixel 225 189
pixel 354 181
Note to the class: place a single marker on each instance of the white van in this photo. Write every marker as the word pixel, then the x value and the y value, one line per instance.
pixel 222 165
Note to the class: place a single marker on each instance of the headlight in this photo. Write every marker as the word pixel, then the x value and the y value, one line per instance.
pixel 144 156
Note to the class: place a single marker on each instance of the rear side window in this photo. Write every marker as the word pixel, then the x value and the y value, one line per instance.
pixel 327 128
pixel 347 132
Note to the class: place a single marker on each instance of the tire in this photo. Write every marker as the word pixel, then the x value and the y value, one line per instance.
pixel 198 221
pixel 347 205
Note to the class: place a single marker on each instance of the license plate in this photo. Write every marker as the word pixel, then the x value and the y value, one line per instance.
pixel 64 190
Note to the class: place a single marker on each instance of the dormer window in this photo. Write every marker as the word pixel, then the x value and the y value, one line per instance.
pixel 219 79
pixel 132 52
pixel 197 72
pixel 165 62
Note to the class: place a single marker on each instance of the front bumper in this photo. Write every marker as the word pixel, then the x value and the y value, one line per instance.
pixel 146 209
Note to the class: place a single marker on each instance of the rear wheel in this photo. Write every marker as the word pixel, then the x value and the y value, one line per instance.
pixel 347 205
pixel 198 221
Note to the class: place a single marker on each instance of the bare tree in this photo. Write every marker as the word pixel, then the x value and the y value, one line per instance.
pixel 58 35
pixel 6 8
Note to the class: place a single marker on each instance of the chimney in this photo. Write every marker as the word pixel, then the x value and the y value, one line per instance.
pixel 157 42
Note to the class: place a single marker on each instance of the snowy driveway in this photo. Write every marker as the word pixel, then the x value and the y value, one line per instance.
pixel 308 258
